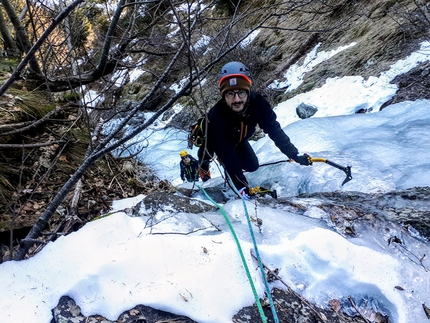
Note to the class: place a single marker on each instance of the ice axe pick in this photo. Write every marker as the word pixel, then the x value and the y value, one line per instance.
pixel 346 169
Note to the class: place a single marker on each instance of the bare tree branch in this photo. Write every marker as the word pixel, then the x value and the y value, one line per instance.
pixel 27 126
pixel 17 73
pixel 42 144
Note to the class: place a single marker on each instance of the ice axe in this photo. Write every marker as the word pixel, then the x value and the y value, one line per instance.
pixel 346 169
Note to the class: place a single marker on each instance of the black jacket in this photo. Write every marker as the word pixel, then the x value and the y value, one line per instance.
pixel 228 128
pixel 189 172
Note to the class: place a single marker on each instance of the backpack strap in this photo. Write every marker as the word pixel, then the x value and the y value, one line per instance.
pixel 197 133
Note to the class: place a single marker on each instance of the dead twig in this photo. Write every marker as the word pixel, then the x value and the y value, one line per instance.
pixel 79 184
pixel 25 126
pixel 358 311
pixel 412 258
pixel 43 144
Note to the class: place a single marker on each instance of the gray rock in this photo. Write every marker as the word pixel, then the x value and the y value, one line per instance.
pixel 68 312
pixel 165 201
pixel 305 111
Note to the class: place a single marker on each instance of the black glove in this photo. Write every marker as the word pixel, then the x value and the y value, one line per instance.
pixel 302 160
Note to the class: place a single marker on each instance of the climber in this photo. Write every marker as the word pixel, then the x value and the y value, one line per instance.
pixel 189 167
pixel 232 121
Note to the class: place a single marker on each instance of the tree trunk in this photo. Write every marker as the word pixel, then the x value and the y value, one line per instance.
pixel 10 47
pixel 69 41
pixel 21 34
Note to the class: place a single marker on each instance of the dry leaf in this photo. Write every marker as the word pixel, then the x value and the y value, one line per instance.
pixel 427 311
pixel 334 304
pixel 28 206
pixel 134 312
pixel 399 287
pixel 394 239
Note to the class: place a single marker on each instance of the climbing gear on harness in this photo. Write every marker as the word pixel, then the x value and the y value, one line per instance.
pixel 197 133
pixel 259 191
pixel 346 169
pixel 204 174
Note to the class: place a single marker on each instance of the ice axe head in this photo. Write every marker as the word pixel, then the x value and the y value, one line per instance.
pixel 346 169
pixel 348 177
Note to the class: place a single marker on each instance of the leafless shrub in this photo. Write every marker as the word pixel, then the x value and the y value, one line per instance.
pixel 414 19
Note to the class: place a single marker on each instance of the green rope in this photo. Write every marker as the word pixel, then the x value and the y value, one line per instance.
pixel 248 274
pixel 260 264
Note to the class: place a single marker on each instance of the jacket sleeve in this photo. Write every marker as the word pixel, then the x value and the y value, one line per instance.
pixel 271 126
pixel 195 168
pixel 182 168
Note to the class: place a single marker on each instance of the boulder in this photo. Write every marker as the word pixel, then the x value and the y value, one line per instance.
pixel 305 111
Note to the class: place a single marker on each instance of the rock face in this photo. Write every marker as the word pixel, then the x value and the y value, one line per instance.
pixel 162 201
pixel 409 207
pixel 412 86
pixel 290 307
